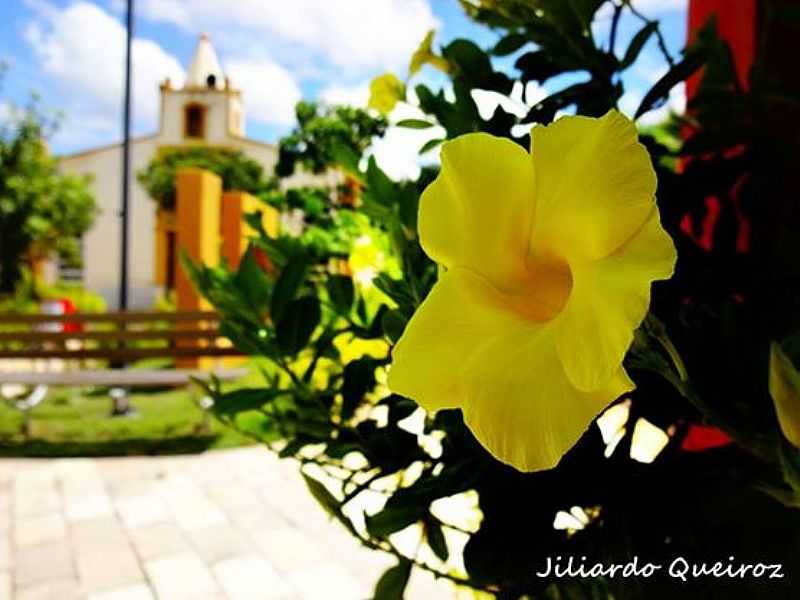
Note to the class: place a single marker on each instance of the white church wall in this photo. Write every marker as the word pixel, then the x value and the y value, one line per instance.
pixel 101 259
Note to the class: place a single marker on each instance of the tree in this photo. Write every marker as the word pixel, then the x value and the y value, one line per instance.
pixel 322 133
pixel 41 210
pixel 237 171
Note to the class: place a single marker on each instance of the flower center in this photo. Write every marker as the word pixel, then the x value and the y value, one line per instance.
pixel 544 290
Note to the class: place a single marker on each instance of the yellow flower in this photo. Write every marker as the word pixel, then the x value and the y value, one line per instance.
pixel 547 263
pixel 784 387
pixel 424 55
pixel 385 92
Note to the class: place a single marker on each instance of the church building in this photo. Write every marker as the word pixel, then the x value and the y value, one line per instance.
pixel 206 110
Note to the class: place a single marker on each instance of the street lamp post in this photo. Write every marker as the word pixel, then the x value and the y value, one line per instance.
pixel 126 162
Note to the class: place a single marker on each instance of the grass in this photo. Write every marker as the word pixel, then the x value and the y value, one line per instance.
pixel 77 422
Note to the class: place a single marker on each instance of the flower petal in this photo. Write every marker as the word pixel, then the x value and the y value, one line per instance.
pixel 477 213
pixel 461 314
pixel 522 407
pixel 608 301
pixel 595 186
pixel 466 348
pixel 784 387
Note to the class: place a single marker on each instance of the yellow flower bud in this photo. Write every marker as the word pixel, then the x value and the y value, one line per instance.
pixel 784 387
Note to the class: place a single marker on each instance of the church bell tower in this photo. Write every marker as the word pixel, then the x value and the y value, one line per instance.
pixel 207 110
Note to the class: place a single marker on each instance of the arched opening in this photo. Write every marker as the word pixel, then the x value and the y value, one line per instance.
pixel 194 123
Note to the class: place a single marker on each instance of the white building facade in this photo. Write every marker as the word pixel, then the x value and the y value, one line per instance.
pixel 207 110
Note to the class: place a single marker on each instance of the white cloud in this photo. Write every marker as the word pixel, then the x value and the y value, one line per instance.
pixel 355 35
pixel 397 152
pixel 82 48
pixel 336 93
pixel 270 93
pixel 649 7
pixel 516 103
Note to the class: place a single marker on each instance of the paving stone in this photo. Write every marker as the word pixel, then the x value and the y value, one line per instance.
pixel 107 567
pixel 87 505
pixel 219 526
pixel 37 530
pixel 288 549
pixel 6 557
pixel 331 582
pixel 65 589
pixel 242 575
pixel 36 500
pixel 5 585
pixel 219 542
pixel 5 522
pixel 200 516
pixel 140 591
pixel 232 497
pixel 159 540
pixel 96 536
pixel 45 562
pixel 181 577
pixel 146 509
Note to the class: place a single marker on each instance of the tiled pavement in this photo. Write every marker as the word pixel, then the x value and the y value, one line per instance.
pixel 236 524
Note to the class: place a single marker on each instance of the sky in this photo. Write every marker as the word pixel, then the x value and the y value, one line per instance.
pixel 71 53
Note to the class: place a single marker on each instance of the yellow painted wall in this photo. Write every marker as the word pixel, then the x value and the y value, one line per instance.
pixel 235 231
pixel 197 220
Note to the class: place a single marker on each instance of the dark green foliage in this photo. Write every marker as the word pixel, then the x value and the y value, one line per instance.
pixel 393 582
pixel 237 171
pixel 323 131
pixel 703 360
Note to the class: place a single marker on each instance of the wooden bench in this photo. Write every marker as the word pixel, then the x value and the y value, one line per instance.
pixel 98 349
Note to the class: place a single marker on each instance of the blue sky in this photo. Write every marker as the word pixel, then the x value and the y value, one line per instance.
pixel 71 53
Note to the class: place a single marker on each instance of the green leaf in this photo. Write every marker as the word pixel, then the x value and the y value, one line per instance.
pixel 509 44
pixel 359 378
pixel 430 145
pixel 347 158
pixel 297 324
pixel 541 65
pixel 394 323
pixel 321 494
pixel 393 518
pixel 637 43
pixel 414 124
pixel 399 407
pixel 341 292
pixel 680 72
pixel 435 537
pixel 252 282
pixel 379 187
pixel 392 584
pixel 243 400
pixel 289 281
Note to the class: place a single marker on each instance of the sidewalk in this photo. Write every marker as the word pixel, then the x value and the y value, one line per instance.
pixel 236 524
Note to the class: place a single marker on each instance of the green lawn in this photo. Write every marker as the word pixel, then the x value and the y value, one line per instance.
pixel 76 422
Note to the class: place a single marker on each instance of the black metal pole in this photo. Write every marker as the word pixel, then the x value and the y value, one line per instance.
pixel 126 161
pixel 120 396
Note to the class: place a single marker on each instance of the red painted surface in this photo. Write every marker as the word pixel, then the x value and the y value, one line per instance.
pixel 736 24
pixel 702 437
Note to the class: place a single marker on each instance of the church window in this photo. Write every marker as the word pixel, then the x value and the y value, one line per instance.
pixel 195 121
